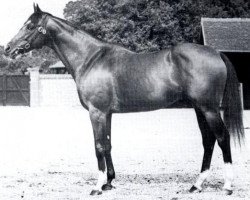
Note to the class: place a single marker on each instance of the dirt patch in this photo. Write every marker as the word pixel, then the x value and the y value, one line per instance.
pixel 154 157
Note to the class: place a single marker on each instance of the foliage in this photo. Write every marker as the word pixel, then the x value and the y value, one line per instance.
pixel 3 60
pixel 148 25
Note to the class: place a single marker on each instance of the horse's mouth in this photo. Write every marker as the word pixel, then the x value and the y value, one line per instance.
pixel 15 52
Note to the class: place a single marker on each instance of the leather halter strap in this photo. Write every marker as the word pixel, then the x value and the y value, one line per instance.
pixel 40 29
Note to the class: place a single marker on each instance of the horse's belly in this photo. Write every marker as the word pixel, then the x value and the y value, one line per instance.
pixel 154 90
pixel 144 99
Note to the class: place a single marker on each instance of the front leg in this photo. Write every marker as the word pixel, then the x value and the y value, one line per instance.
pixel 99 121
pixel 108 157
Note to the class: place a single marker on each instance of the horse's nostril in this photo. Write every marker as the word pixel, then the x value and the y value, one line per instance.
pixel 7 49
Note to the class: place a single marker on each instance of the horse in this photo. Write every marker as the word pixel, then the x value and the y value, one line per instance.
pixel 112 79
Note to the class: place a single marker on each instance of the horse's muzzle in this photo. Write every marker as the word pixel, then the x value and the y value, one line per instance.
pixel 13 52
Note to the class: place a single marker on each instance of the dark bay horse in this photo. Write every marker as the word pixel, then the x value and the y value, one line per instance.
pixel 111 79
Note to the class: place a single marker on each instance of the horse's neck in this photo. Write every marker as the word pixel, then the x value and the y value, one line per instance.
pixel 73 47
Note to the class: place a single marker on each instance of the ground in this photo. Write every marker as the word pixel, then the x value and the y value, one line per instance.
pixel 48 153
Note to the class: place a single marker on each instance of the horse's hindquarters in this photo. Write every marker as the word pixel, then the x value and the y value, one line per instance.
pixel 202 72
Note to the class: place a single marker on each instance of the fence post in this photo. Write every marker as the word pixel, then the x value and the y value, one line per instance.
pixel 34 87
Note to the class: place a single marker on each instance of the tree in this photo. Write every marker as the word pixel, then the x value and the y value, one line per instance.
pixel 3 60
pixel 134 24
pixel 140 25
pixel 148 25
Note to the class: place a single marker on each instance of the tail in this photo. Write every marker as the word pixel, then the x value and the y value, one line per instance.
pixel 232 103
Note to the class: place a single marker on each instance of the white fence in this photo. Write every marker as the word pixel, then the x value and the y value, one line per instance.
pixel 52 90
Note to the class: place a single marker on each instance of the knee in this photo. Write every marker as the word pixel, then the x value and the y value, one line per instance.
pixel 108 148
pixel 102 149
pixel 224 139
pixel 107 144
pixel 211 115
pixel 99 148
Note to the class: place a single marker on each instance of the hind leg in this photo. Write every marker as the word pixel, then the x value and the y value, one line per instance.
pixel 208 141
pixel 221 133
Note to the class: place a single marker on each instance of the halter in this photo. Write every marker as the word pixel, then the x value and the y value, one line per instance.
pixel 40 29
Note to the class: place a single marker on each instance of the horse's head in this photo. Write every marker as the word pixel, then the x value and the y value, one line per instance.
pixel 32 35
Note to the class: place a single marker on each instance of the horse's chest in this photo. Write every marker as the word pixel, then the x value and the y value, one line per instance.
pixel 95 89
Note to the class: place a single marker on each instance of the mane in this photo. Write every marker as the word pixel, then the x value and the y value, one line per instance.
pixel 75 28
pixel 66 22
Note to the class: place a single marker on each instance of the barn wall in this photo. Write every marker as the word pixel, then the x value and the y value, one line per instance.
pixel 52 90
pixel 241 63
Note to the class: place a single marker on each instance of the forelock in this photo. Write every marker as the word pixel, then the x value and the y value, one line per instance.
pixel 35 17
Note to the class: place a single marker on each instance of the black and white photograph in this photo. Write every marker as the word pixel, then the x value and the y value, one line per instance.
pixel 125 100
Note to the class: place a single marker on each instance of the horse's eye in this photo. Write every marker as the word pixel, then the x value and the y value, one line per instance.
pixel 30 26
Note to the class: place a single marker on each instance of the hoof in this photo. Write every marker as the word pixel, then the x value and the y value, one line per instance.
pixel 194 189
pixel 228 192
pixel 107 186
pixel 95 192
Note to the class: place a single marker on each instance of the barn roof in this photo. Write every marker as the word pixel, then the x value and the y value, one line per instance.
pixel 227 34
pixel 57 65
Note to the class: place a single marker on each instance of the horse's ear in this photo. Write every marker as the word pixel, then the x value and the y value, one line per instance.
pixel 36 8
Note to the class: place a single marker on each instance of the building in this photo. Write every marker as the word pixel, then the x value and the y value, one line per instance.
pixel 58 68
pixel 232 37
